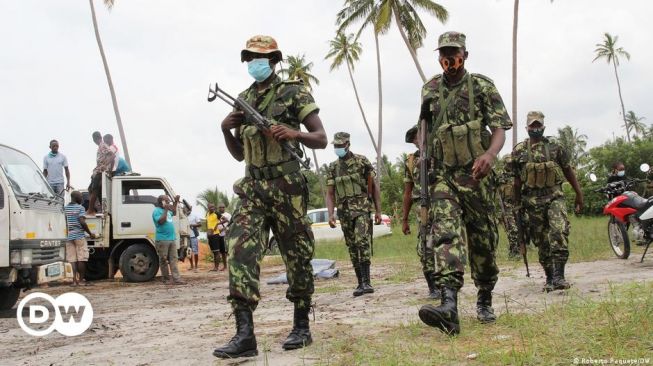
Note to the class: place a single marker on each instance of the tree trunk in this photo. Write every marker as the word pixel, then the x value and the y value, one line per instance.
pixel 379 140
pixel 319 176
pixel 113 93
pixel 360 106
pixel 412 51
pixel 514 73
pixel 621 99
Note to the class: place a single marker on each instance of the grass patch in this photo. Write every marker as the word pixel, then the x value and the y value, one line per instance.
pixel 588 241
pixel 619 327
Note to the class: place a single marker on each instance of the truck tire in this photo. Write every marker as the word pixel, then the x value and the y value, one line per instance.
pixel 97 269
pixel 139 263
pixel 8 297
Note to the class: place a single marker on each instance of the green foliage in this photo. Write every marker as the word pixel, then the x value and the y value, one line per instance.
pixel 214 196
pixel 392 183
pixel 574 143
pixel 315 188
pixel 299 69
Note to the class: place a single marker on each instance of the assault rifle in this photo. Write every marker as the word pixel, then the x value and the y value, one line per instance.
pixel 424 197
pixel 260 122
pixel 521 234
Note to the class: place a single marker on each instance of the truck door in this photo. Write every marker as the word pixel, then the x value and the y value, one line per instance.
pixel 133 203
pixel 4 226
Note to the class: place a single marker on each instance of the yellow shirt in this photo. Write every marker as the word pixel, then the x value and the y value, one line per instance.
pixel 211 222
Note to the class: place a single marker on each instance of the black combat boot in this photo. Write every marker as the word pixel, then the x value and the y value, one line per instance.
pixel 243 344
pixel 548 285
pixel 445 316
pixel 359 290
pixel 300 335
pixel 484 311
pixel 434 291
pixel 558 281
pixel 365 272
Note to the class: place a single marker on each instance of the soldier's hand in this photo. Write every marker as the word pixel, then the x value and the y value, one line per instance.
pixel 377 218
pixel 579 204
pixel 332 221
pixel 233 120
pixel 405 228
pixel 280 132
pixel 482 165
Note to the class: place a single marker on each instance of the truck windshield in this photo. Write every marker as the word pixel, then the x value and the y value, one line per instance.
pixel 23 175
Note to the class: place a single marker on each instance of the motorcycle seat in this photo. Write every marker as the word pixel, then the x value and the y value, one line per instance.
pixel 635 201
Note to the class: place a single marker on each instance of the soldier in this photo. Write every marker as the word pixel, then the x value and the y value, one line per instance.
pixel 350 186
pixel 539 164
pixel 411 194
pixel 459 107
pixel 272 195
pixel 506 184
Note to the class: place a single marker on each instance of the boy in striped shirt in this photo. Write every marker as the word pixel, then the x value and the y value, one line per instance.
pixel 76 247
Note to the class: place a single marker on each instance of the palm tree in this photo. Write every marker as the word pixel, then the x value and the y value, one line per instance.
pixel 403 12
pixel 213 196
pixel 346 49
pixel 609 51
pixel 635 124
pixel 574 144
pixel 515 19
pixel 298 69
pixel 367 10
pixel 121 130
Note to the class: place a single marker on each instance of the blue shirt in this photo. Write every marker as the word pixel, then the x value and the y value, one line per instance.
pixel 73 212
pixel 165 231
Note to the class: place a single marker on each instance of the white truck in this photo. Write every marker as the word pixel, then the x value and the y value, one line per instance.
pixel 32 228
pixel 124 229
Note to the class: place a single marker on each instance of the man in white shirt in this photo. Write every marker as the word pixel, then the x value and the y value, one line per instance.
pixel 195 224
pixel 54 165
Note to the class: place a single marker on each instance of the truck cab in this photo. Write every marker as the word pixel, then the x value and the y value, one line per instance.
pixel 32 227
pixel 125 231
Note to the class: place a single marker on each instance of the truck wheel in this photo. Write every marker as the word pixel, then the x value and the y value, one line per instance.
pixel 139 263
pixel 97 269
pixel 8 297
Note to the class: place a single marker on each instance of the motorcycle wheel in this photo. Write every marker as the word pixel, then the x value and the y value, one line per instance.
pixel 619 241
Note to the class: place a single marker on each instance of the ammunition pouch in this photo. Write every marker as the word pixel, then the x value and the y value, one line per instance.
pixel 348 186
pixel 272 171
pixel 459 145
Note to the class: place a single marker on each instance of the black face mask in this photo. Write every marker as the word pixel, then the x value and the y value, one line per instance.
pixel 536 134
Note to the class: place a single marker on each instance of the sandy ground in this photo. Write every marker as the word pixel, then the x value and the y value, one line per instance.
pixel 155 324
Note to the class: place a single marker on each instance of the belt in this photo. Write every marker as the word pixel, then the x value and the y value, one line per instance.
pixel 272 171
pixel 539 192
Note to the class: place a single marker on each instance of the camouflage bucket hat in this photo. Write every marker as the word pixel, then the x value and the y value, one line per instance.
pixel 340 138
pixel 451 39
pixel 534 116
pixel 410 134
pixel 263 45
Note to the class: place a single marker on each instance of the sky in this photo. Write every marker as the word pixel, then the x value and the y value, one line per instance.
pixel 163 55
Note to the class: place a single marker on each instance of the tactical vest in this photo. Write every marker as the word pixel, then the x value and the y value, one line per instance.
pixel 458 145
pixel 349 186
pixel 263 151
pixel 540 175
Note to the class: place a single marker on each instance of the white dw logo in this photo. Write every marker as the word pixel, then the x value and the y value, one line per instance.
pixel 73 314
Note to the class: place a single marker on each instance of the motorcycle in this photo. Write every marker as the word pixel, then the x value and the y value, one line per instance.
pixel 627 210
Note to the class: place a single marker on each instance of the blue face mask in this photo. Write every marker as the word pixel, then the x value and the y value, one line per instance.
pixel 621 173
pixel 259 69
pixel 340 151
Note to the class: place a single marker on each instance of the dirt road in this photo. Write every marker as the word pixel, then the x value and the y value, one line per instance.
pixel 155 324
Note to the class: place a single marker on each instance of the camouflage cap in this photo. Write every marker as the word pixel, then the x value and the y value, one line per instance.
pixel 410 134
pixel 534 116
pixel 340 138
pixel 260 44
pixel 451 39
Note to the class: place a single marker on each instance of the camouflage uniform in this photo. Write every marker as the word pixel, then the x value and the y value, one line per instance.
pixel 349 178
pixel 505 184
pixel 463 208
pixel 543 202
pixel 274 195
pixel 459 118
pixel 411 175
